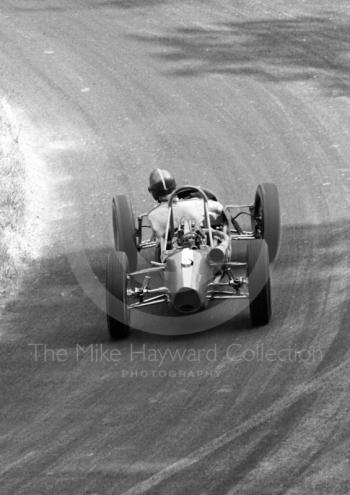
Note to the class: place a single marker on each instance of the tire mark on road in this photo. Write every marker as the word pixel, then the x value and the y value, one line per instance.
pixel 278 407
pixel 19 462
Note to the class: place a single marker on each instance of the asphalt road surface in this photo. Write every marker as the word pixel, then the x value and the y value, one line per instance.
pixel 227 95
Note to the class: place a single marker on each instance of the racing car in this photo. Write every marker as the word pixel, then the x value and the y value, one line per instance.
pixel 198 263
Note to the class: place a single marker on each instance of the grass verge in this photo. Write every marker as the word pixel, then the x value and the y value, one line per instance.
pixel 12 176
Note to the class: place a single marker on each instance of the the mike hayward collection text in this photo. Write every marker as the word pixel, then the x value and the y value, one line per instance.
pixel 235 352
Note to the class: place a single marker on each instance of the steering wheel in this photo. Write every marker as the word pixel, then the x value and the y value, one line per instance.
pixel 190 193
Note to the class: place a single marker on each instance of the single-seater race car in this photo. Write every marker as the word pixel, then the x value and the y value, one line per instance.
pixel 196 263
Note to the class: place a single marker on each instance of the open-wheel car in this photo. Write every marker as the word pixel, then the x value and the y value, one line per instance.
pixel 197 261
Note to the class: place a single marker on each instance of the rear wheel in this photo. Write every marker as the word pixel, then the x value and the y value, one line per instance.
pixel 118 314
pixel 124 229
pixel 259 282
pixel 267 222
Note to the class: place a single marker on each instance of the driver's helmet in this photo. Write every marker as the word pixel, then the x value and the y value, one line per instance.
pixel 161 183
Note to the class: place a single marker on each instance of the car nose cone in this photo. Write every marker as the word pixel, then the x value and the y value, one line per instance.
pixel 187 300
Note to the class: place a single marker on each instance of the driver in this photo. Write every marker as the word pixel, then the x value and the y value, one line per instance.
pixel 161 185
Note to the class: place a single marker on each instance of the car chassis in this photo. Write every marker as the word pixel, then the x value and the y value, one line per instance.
pixel 233 288
pixel 198 263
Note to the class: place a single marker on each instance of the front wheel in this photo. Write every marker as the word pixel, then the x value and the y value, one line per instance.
pixel 124 229
pixel 258 272
pixel 266 217
pixel 118 314
pixel 238 250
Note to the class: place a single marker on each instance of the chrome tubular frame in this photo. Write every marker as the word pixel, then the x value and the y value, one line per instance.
pixel 149 243
pixel 213 297
pixel 145 271
pixel 242 237
pixel 141 293
pixel 151 301
pixel 233 288
pixel 206 209
pixel 231 207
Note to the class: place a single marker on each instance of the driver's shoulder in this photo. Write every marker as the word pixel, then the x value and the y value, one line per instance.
pixel 156 209
pixel 157 216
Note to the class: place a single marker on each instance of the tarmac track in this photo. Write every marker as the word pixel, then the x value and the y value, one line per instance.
pixel 227 97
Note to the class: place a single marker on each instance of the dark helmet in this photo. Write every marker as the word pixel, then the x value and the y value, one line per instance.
pixel 161 183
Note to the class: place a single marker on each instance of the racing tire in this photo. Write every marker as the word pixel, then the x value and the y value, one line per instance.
pixel 267 217
pixel 117 312
pixel 238 250
pixel 258 271
pixel 124 230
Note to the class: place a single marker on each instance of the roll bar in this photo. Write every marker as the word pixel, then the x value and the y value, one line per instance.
pixel 174 194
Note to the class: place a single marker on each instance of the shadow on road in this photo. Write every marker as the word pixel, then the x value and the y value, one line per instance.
pixel 302 48
pixel 313 263
pixel 130 4
pixel 57 6
pixel 292 49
